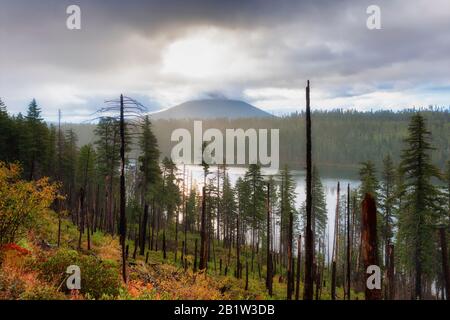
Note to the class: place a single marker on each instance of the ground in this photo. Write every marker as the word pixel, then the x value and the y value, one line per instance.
pixel 34 268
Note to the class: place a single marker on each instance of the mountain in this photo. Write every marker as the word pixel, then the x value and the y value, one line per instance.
pixel 211 108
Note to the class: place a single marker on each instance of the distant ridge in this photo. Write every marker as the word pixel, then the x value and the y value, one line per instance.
pixel 210 109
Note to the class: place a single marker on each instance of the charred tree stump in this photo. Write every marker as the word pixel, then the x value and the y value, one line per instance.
pixel 369 242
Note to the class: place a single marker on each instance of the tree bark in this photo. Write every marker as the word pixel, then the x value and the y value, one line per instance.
pixel 348 243
pixel 309 245
pixel 391 275
pixel 203 236
pixel 369 242
pixel 299 262
pixel 143 230
pixel 123 226
pixel 269 254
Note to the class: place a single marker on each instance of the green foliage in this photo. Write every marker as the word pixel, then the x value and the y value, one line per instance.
pixel 369 181
pixel 169 196
pixel 42 292
pixel 421 211
pixel 21 202
pixel 255 202
pixel 319 207
pixel 149 159
pixel 97 277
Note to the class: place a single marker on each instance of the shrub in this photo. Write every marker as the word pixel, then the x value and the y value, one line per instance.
pixel 10 288
pixel 21 201
pixel 98 277
pixel 43 292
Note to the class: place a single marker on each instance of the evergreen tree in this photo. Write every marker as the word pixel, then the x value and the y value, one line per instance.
pixel 447 190
pixel 319 207
pixel 170 196
pixel 255 216
pixel 36 142
pixel 108 161
pixel 149 159
pixel 419 212
pixel 369 181
pixel 228 206
pixel 6 134
pixel 192 210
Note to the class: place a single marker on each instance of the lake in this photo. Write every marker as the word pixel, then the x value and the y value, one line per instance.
pixel 195 177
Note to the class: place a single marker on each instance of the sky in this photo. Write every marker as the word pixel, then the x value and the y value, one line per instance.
pixel 163 53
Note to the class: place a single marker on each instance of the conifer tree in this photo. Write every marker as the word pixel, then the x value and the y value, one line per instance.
pixel 151 174
pixel 419 212
pixel 36 141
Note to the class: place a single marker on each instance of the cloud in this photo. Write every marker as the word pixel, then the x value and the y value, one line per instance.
pixel 166 52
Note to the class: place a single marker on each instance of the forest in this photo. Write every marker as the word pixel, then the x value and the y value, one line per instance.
pixel 337 150
pixel 139 228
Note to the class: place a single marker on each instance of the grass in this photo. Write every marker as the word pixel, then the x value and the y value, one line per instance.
pixel 158 279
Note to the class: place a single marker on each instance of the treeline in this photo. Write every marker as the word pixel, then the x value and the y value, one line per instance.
pixel 341 139
pixel 254 228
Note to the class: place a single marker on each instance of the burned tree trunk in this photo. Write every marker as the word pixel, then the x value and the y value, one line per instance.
pixel 195 256
pixel 335 246
pixel 238 248
pixel 333 280
pixel 369 242
pixel 290 258
pixel 164 245
pixel 143 230
pixel 176 238
pixel 309 245
pixel 445 270
pixel 269 254
pixel 246 275
pixel 299 261
pixel 81 214
pixel 348 242
pixel 123 226
pixel 391 275
pixel 203 236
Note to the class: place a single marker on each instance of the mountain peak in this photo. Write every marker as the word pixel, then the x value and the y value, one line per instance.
pixel 211 108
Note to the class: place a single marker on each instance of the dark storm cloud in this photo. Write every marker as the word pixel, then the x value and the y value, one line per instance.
pixel 123 46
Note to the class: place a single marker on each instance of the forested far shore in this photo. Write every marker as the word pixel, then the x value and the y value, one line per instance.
pixel 342 139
